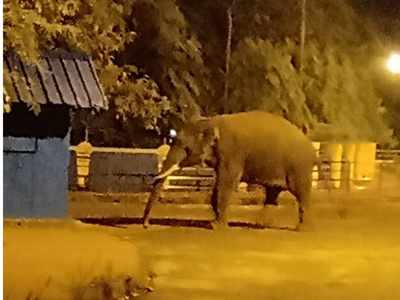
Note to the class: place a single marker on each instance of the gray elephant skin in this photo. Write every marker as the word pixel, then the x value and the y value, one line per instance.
pixel 255 147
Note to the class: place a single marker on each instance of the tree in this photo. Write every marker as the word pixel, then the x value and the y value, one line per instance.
pixel 170 53
pixel 340 93
pixel 31 27
pixel 302 31
pixel 169 60
pixel 265 55
pixel 268 80
pixel 228 51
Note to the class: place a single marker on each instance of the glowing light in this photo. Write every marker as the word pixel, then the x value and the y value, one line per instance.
pixel 172 133
pixel 393 63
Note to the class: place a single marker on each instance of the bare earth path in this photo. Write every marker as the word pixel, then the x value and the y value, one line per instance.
pixel 356 256
pixel 352 252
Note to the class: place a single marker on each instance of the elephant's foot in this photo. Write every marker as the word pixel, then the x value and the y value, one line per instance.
pixel 146 223
pixel 305 220
pixel 219 224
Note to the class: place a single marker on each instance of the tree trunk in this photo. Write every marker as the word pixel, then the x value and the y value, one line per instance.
pixel 302 33
pixel 227 59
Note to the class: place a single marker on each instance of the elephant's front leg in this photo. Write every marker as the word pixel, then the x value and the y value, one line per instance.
pixel 227 179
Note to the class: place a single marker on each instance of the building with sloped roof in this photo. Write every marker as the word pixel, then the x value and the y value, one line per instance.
pixel 36 146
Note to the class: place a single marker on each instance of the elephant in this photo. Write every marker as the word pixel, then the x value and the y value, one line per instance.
pixel 255 147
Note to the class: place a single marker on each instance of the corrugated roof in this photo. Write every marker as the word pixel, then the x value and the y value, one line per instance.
pixel 60 77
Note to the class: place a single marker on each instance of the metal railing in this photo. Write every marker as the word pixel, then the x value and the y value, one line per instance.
pixel 387 155
pixel 324 177
pixel 202 179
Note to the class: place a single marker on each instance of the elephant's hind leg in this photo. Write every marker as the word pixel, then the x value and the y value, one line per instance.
pixel 271 198
pixel 300 187
pixel 272 193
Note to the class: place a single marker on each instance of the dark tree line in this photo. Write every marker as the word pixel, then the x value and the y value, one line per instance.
pixel 163 61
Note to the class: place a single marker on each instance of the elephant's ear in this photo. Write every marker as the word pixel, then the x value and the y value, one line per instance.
pixel 207 131
pixel 197 119
pixel 195 116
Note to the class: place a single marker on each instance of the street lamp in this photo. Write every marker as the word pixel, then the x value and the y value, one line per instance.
pixel 393 63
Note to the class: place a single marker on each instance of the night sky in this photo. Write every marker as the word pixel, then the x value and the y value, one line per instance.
pixel 386 14
pixel 390 8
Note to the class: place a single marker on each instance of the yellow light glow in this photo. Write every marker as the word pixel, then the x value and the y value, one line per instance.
pixel 393 63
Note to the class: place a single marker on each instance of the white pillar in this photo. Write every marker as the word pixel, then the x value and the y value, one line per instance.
pixel 315 175
pixel 334 152
pixel 364 161
pixel 349 152
pixel 83 153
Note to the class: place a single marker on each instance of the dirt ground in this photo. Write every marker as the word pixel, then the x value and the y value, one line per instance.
pixel 352 251
pixel 64 259
pixel 353 254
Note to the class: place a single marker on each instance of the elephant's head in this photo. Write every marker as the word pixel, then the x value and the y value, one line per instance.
pixel 193 145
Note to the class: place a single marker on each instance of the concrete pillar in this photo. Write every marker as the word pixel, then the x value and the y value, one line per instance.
pixel 83 153
pixel 315 175
pixel 333 152
pixel 364 167
pixel 349 152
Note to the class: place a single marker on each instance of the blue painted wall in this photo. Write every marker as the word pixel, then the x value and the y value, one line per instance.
pixel 35 177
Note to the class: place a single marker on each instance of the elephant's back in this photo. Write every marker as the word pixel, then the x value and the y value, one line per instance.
pixel 259 124
pixel 258 120
pixel 268 135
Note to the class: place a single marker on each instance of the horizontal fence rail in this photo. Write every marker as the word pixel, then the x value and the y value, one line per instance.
pixel 329 174
pixel 198 179
pixel 388 156
pixel 117 185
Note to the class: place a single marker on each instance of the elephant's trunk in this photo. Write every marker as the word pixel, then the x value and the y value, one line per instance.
pixel 175 156
pixel 168 172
